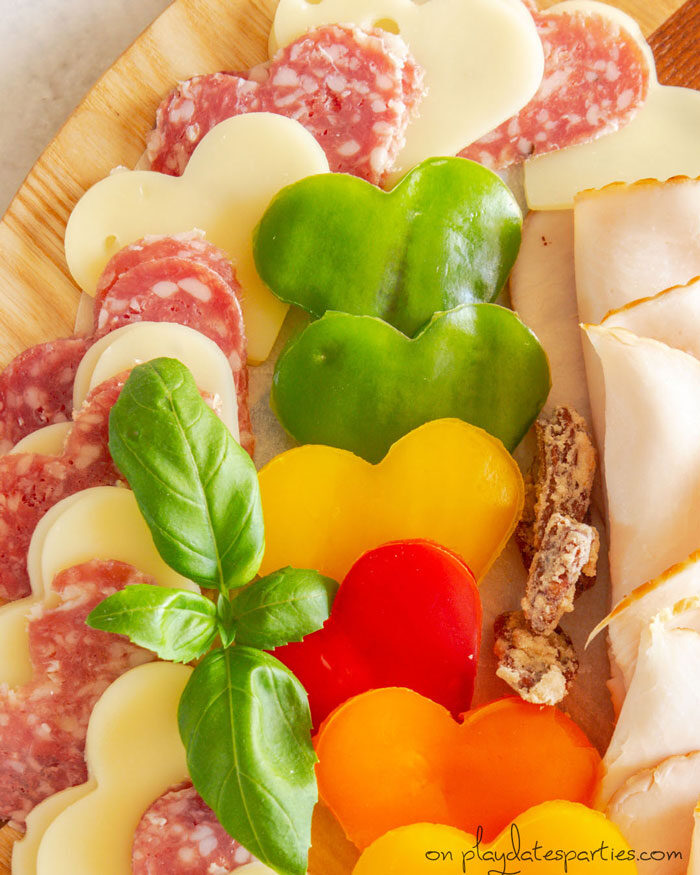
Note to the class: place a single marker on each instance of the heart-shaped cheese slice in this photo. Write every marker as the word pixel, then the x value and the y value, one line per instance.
pixel 230 179
pixel 654 811
pixel 659 143
pixel 130 345
pixel 134 755
pixel 100 523
pixel 483 61
pixel 660 716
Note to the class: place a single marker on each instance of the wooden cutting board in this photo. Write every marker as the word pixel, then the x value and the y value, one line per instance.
pixel 37 297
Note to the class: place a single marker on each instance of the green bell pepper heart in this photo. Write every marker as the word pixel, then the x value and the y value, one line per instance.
pixel 357 383
pixel 448 234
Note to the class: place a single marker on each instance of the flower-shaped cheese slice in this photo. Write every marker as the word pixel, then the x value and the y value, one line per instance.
pixel 134 755
pixel 659 143
pixel 654 810
pixel 47 441
pixel 230 179
pixel 651 414
pixel 138 342
pixel 660 716
pixel 483 61
pixel 100 523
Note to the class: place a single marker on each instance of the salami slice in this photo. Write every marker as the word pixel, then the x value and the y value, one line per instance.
pixel 29 486
pixel 189 245
pixel 87 446
pixel 175 289
pixel 43 724
pixel 36 388
pixel 354 90
pixel 179 833
pixel 596 77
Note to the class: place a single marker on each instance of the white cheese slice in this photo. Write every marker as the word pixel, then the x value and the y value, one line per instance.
pixel 660 716
pixel 651 413
pixel 47 441
pixel 134 754
pixel 483 61
pixel 231 178
pixel 100 523
pixel 660 142
pixel 654 810
pixel 627 622
pixel 139 342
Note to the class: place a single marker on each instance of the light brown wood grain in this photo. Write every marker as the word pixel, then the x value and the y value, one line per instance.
pixel 37 296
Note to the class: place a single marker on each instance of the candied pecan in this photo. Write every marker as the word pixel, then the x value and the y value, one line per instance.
pixel 561 478
pixel 567 549
pixel 540 668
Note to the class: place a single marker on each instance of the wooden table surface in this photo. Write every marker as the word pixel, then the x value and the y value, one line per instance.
pixel 37 297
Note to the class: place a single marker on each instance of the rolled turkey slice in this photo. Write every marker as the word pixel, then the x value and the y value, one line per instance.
pixel 672 317
pixel 633 241
pixel 651 454
pixel 660 716
pixel 655 812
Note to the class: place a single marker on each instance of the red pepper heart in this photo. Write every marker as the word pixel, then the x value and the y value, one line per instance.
pixel 407 614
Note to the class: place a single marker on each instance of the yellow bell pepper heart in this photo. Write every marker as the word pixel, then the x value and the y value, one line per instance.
pixel 446 481
pixel 556 838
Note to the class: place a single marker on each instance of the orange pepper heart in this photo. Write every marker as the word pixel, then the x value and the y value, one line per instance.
pixel 555 837
pixel 447 482
pixel 391 757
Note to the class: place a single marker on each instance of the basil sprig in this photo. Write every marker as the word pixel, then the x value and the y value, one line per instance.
pixel 244 718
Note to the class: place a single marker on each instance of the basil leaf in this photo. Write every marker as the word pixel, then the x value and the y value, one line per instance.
pixel 196 487
pixel 245 722
pixel 285 606
pixel 227 624
pixel 176 624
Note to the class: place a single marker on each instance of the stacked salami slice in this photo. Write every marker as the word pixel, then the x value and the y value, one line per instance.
pixel 354 90
pixel 43 723
pixel 180 279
